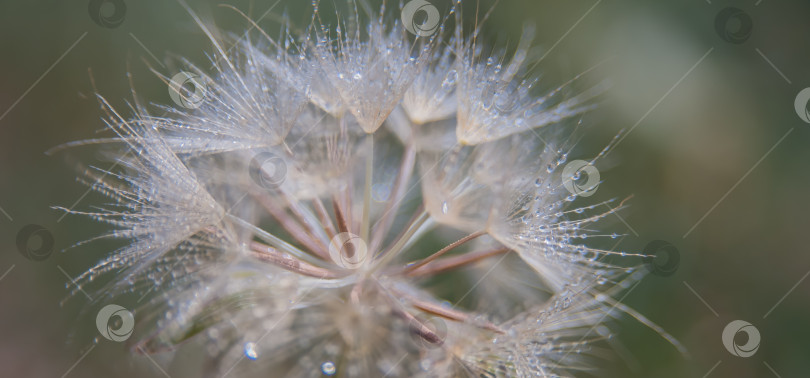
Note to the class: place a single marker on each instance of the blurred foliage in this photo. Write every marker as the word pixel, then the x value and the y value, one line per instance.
pixel 693 155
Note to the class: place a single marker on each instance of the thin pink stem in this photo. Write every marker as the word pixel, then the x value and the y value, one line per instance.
pixel 290 224
pixel 326 220
pixel 342 222
pixel 418 327
pixel 271 255
pixel 454 262
pixel 444 250
pixel 447 313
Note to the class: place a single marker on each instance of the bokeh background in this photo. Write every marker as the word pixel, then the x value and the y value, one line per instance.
pixel 714 154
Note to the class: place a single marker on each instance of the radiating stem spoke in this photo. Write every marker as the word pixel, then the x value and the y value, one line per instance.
pixel 444 250
pixel 453 262
pixel 271 255
pixel 326 220
pixel 364 226
pixel 419 327
pixel 293 227
pixel 447 313
pixel 415 224
pixel 342 221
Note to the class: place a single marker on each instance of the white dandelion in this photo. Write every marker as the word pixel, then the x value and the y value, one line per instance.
pixel 252 230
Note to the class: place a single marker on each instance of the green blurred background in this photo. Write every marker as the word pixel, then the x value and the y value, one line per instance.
pixel 719 151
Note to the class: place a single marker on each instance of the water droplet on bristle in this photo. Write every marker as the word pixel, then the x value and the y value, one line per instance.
pixel 250 351
pixel 450 80
pixel 328 368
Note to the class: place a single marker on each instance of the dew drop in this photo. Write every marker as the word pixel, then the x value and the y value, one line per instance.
pixel 445 207
pixel 450 80
pixel 250 351
pixel 603 331
pixel 357 76
pixel 328 368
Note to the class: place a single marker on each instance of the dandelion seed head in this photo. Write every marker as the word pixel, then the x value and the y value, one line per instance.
pixel 291 221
